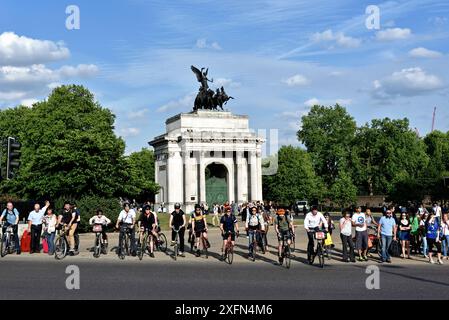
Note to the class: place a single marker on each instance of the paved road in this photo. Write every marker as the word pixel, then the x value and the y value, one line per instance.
pixel 30 276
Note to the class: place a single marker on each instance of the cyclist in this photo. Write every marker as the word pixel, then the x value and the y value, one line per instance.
pixel 228 224
pixel 68 218
pixel 284 229
pixel 253 224
pixel 199 227
pixel 126 220
pixel 100 218
pixel 178 222
pixel 313 221
pixel 147 222
pixel 12 218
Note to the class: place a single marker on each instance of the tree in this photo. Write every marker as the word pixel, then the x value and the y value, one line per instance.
pixel 141 167
pixel 69 148
pixel 328 134
pixel 385 153
pixel 343 192
pixel 294 179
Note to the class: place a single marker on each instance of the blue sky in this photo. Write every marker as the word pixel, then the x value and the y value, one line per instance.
pixel 277 58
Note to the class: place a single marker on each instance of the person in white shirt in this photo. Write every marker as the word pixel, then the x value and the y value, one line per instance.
pixel 125 221
pixel 102 220
pixel 313 221
pixel 49 222
pixel 253 224
pixel 361 233
pixel 35 226
pixel 346 237
pixel 437 210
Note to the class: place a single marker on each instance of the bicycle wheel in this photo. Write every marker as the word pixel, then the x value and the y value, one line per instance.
pixel 175 250
pixel 253 251
pixel 292 246
pixel 143 247
pixel 4 247
pixel 287 256
pixel 230 255
pixel 97 247
pixel 60 248
pixel 205 248
pixel 319 252
pixel 162 242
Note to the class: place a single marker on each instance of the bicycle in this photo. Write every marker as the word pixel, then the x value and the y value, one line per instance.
pixel 257 239
pixel 319 236
pixel 62 243
pixel 293 236
pixel 286 251
pixel 123 250
pixel 176 244
pixel 161 242
pixel 229 248
pixel 99 244
pixel 143 246
pixel 7 242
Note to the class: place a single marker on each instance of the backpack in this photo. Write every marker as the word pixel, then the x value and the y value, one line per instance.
pixel 395 248
pixel 25 242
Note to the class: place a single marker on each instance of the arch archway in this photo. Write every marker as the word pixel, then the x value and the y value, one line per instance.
pixel 217 180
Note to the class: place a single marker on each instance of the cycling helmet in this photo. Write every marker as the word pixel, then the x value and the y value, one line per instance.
pixel 177 205
pixel 197 206
pixel 281 212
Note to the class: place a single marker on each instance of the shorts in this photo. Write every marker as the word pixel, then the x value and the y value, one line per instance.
pixel 199 232
pixel 404 235
pixel 284 234
pixel 361 240
pixel 226 234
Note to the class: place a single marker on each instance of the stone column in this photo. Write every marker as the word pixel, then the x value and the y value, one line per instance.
pixel 241 177
pixel 259 175
pixel 202 182
pixel 254 179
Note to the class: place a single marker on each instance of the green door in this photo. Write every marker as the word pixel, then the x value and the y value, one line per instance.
pixel 216 184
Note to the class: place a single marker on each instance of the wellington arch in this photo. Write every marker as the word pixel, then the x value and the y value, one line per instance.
pixel 207 157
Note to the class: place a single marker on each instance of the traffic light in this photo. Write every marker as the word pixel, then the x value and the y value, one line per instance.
pixel 12 158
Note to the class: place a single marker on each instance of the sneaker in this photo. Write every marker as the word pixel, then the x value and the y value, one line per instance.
pixel 440 261
pixel 181 254
pixel 152 255
pixel 71 253
pixel 18 252
pixel 432 261
pixel 172 244
pixel 361 259
pixel 281 261
pixel 365 258
pixel 388 261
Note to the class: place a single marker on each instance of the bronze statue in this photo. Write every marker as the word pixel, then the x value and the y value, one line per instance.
pixel 207 98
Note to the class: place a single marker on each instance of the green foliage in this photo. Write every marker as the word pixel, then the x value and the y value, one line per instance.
pixel 385 154
pixel 343 192
pixel 88 206
pixel 295 178
pixel 69 148
pixel 141 171
pixel 328 134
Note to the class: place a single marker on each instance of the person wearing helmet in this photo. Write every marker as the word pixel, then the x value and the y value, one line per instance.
pixel 125 222
pixel 228 225
pixel 178 222
pixel 254 223
pixel 199 227
pixel 101 219
pixel 284 228
pixel 147 223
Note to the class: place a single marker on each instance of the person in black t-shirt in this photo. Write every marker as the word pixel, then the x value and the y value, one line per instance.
pixel 178 222
pixel 147 222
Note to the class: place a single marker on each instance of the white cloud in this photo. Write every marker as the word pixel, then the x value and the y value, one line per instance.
pixel 138 114
pixel 344 102
pixel 339 38
pixel 20 50
pixel 82 70
pixel 392 34
pixel 296 80
pixel 407 82
pixel 28 102
pixel 129 132
pixel 185 102
pixel 204 44
pixel 424 53
pixel 311 102
pixel 226 83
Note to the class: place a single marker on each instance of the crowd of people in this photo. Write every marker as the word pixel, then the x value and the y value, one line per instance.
pixel 414 231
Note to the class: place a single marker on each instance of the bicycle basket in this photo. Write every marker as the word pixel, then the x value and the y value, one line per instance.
pixel 320 235
pixel 97 228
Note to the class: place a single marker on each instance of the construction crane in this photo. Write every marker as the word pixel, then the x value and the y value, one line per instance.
pixel 433 118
